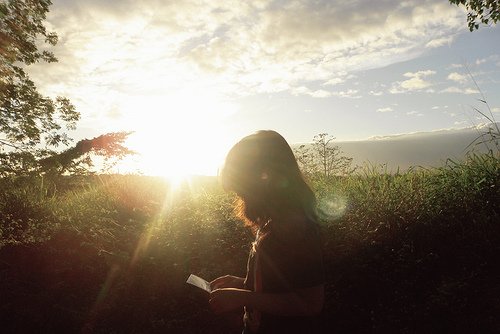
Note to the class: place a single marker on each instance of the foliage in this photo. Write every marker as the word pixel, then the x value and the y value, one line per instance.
pixel 77 159
pixel 480 11
pixel 490 138
pixel 27 118
pixel 26 212
pixel 31 125
pixel 417 237
pixel 408 252
pixel 323 158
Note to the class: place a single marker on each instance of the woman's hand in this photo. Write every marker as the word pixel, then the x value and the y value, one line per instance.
pixel 226 300
pixel 227 281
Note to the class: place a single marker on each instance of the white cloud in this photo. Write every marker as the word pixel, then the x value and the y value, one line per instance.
pixel 414 113
pixel 320 93
pixel 386 109
pixel 238 46
pixel 415 83
pixel 435 107
pixel 480 61
pixel 494 59
pixel 454 89
pixel 495 109
pixel 439 42
pixel 334 81
pixel 376 93
pixel 457 77
pixel 303 90
pixel 350 93
pixel 424 73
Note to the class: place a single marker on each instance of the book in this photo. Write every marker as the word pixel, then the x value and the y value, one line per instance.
pixel 199 282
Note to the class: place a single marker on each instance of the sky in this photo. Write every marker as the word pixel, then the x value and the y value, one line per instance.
pixel 192 77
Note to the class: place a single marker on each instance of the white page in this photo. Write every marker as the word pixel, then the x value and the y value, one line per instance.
pixel 199 282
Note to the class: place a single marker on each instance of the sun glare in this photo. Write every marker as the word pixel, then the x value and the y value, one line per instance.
pixel 178 137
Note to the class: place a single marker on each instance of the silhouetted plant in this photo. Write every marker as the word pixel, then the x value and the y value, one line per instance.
pixel 490 137
pixel 323 158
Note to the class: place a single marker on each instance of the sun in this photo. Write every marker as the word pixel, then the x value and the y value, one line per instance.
pixel 176 156
pixel 178 137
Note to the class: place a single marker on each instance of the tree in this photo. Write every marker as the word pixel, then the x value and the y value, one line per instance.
pixel 323 158
pixel 480 11
pixel 31 125
pixel 305 158
pixel 78 159
pixel 27 118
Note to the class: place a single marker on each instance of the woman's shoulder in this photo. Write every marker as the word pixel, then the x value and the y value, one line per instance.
pixel 292 236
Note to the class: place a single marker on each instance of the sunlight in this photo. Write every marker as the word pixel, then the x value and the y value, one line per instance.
pixel 177 136
pixel 333 206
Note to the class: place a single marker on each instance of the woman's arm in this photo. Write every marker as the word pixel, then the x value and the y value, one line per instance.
pixel 227 281
pixel 301 302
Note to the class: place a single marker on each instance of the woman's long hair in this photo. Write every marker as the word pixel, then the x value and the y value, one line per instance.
pixel 262 170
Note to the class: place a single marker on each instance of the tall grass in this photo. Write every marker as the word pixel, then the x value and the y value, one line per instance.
pixel 407 252
pixel 415 251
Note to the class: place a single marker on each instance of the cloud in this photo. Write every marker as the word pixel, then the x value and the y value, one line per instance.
pixel 457 77
pixel 237 47
pixel 350 93
pixel 439 42
pixel 414 83
pixel 334 81
pixel 495 109
pixel 114 113
pixel 383 110
pixel 376 93
pixel 414 113
pixel 457 90
pixel 303 90
pixel 321 93
pixel 492 58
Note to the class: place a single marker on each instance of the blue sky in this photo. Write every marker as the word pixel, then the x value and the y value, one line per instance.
pixel 191 77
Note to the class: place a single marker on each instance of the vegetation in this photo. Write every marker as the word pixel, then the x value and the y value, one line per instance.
pixel 406 252
pixel 28 118
pixel 480 11
pixel 32 125
pixel 323 159
pixel 410 252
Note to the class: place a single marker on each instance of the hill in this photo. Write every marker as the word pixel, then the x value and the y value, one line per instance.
pixel 426 149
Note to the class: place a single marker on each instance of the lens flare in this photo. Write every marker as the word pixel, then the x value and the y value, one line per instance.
pixel 333 206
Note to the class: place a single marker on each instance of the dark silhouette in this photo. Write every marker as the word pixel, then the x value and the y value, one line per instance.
pixel 283 291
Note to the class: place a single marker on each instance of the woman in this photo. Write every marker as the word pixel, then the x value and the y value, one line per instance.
pixel 283 291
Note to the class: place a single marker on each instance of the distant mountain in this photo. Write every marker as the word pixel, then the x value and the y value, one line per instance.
pixel 427 149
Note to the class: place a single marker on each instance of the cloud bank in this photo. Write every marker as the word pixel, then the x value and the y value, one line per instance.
pixel 240 47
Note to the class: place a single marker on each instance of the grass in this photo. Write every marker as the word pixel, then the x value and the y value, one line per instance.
pixel 412 252
pixel 421 252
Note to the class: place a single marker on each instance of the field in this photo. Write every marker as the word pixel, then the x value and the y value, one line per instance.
pixel 414 252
